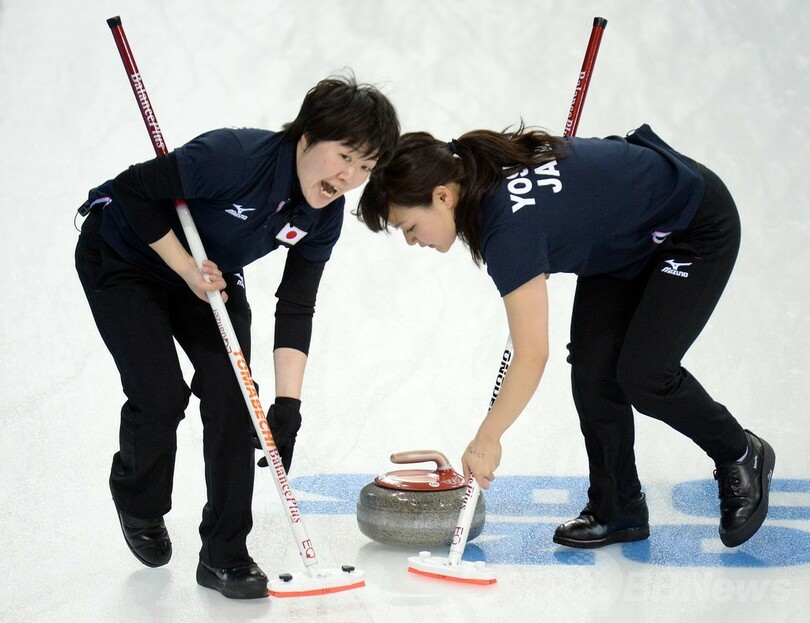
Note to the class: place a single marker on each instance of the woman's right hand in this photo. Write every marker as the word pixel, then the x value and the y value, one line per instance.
pixel 481 459
pixel 200 280
pixel 203 280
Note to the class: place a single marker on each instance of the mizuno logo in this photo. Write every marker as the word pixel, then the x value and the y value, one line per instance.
pixel 240 279
pixel 674 268
pixel 239 211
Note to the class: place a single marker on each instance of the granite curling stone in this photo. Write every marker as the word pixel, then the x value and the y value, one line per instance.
pixel 416 507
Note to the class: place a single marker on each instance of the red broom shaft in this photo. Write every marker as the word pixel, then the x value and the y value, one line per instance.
pixel 584 80
pixel 138 88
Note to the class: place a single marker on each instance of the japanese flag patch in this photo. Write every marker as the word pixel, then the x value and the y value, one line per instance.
pixel 290 234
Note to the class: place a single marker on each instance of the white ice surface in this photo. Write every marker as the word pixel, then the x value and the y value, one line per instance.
pixel 406 341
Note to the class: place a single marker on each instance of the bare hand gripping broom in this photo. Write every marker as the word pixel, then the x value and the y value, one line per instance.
pixel 453 568
pixel 316 581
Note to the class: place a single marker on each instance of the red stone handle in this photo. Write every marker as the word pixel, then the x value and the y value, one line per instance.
pixel 420 456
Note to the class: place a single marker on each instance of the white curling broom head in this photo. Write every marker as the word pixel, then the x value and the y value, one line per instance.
pixel 440 567
pixel 323 582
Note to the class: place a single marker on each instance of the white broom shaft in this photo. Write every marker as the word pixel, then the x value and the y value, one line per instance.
pixel 465 518
pixel 249 393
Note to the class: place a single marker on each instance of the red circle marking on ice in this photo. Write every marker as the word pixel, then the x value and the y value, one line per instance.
pixel 291 235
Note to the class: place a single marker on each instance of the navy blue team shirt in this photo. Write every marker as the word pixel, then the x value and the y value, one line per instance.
pixel 240 186
pixel 603 209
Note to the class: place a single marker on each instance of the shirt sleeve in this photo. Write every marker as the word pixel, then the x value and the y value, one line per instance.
pixel 318 245
pixel 212 165
pixel 145 192
pixel 514 256
pixel 296 295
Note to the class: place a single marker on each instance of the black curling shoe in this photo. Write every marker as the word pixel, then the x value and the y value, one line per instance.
pixel 242 582
pixel 147 539
pixel 588 532
pixel 743 491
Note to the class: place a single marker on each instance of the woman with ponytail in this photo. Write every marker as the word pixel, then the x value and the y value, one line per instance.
pixel 652 236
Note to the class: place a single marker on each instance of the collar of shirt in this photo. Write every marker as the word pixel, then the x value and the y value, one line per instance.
pixel 286 192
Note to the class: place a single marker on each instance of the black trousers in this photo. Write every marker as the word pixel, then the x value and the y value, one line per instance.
pixel 139 318
pixel 627 342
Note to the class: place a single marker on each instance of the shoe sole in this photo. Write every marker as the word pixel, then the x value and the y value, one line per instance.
pixel 627 535
pixel 739 536
pixel 252 590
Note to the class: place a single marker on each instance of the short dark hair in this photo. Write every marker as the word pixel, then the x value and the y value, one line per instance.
pixel 339 109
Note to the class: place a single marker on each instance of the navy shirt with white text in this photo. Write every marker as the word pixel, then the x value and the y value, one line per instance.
pixel 602 209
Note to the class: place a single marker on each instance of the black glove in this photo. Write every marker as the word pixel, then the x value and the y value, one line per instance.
pixel 284 418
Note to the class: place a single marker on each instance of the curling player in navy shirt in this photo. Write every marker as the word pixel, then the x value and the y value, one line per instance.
pixel 653 237
pixel 250 192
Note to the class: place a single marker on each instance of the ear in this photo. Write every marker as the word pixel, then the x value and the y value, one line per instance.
pixel 444 197
pixel 304 143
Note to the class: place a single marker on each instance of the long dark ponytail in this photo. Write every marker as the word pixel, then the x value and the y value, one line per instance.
pixel 477 161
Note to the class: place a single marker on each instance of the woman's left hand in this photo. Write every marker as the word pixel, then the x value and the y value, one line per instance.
pixel 481 459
